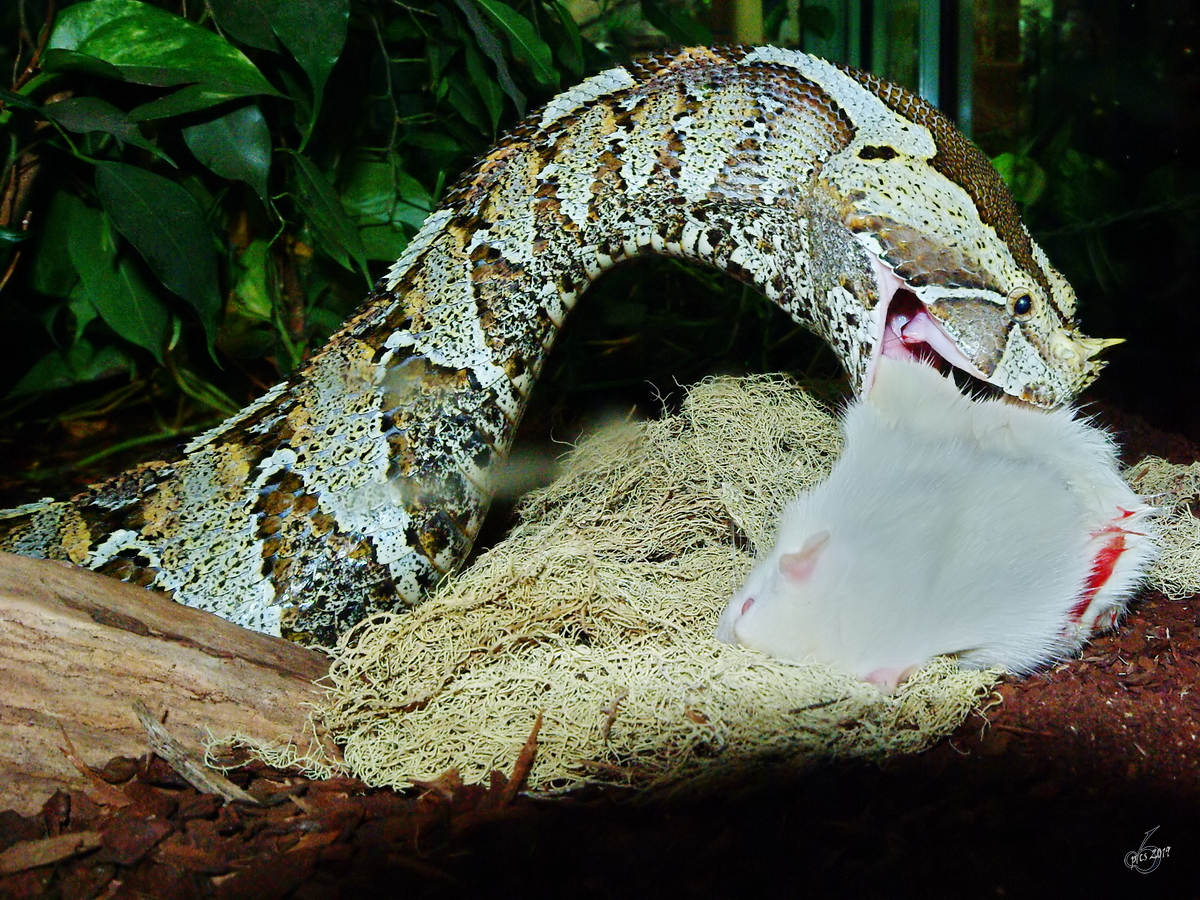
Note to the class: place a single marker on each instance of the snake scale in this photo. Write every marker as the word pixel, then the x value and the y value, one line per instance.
pixel 359 482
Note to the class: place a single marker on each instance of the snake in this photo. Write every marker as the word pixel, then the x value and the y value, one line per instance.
pixel 360 482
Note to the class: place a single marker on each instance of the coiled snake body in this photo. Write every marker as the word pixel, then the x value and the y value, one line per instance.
pixel 361 480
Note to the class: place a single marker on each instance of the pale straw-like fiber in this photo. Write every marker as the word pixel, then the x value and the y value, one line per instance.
pixel 598 611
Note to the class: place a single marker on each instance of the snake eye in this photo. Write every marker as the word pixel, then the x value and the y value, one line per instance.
pixel 1022 305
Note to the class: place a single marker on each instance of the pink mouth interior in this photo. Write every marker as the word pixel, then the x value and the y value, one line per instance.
pixel 906 329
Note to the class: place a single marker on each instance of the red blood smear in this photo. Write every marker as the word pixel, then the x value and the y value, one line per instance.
pixel 1102 570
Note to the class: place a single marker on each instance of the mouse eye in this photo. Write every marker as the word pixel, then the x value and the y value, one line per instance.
pixel 746 606
pixel 1021 304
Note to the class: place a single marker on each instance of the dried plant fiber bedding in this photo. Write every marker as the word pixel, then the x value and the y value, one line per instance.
pixel 598 611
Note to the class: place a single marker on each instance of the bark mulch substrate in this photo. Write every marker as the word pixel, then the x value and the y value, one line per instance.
pixel 1052 791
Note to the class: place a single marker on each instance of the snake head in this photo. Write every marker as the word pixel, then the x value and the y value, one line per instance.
pixel 1016 340
pixel 956 272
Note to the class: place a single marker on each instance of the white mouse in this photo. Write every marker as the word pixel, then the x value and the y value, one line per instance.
pixel 996 532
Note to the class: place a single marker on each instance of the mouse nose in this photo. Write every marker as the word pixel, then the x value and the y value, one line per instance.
pixel 890 678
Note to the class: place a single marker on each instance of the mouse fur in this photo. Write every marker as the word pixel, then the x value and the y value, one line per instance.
pixel 992 531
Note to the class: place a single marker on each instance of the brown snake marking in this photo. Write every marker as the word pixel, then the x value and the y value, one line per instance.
pixel 360 481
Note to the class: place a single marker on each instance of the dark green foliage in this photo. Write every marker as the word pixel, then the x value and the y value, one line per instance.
pixel 180 191
pixel 166 225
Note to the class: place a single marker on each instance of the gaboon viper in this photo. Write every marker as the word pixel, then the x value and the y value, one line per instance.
pixel 356 484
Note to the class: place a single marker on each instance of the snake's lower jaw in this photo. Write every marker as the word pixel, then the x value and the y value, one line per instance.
pixel 1055 381
pixel 1046 372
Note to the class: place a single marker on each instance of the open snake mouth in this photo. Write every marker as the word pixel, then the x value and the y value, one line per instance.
pixel 905 329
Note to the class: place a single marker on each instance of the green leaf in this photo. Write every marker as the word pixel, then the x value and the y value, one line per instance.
pixel 87 114
pixel 52 272
pixel 1024 177
pixel 439 55
pixel 314 32
pixel 75 25
pixel 84 312
pixel 247 330
pixel 167 227
pixel 414 204
pixel 193 98
pixel 247 20
pixel 437 144
pixel 370 188
pixel 383 242
pixel 18 101
pixel 113 285
pixel 321 206
pixel 675 24
pixel 488 90
pixel 252 296
pixel 81 63
pixel 80 364
pixel 466 102
pixel 571 51
pixel 302 101
pixel 524 41
pixel 151 46
pixel 384 200
pixel 236 145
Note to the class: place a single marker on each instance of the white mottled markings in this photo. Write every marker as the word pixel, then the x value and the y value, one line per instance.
pixel 447 330
pixel 708 137
pixel 266 400
pixel 116 543
pixel 1014 366
pixel 434 223
pixel 574 172
pixel 640 147
pixel 871 117
pixel 574 99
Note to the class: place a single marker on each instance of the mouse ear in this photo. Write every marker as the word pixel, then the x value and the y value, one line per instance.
pixel 798 566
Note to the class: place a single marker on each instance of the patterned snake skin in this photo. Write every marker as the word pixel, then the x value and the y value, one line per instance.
pixel 360 481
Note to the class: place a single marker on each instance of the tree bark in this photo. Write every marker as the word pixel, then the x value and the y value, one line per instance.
pixel 77 649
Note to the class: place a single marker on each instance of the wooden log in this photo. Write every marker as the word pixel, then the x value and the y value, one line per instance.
pixel 78 649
